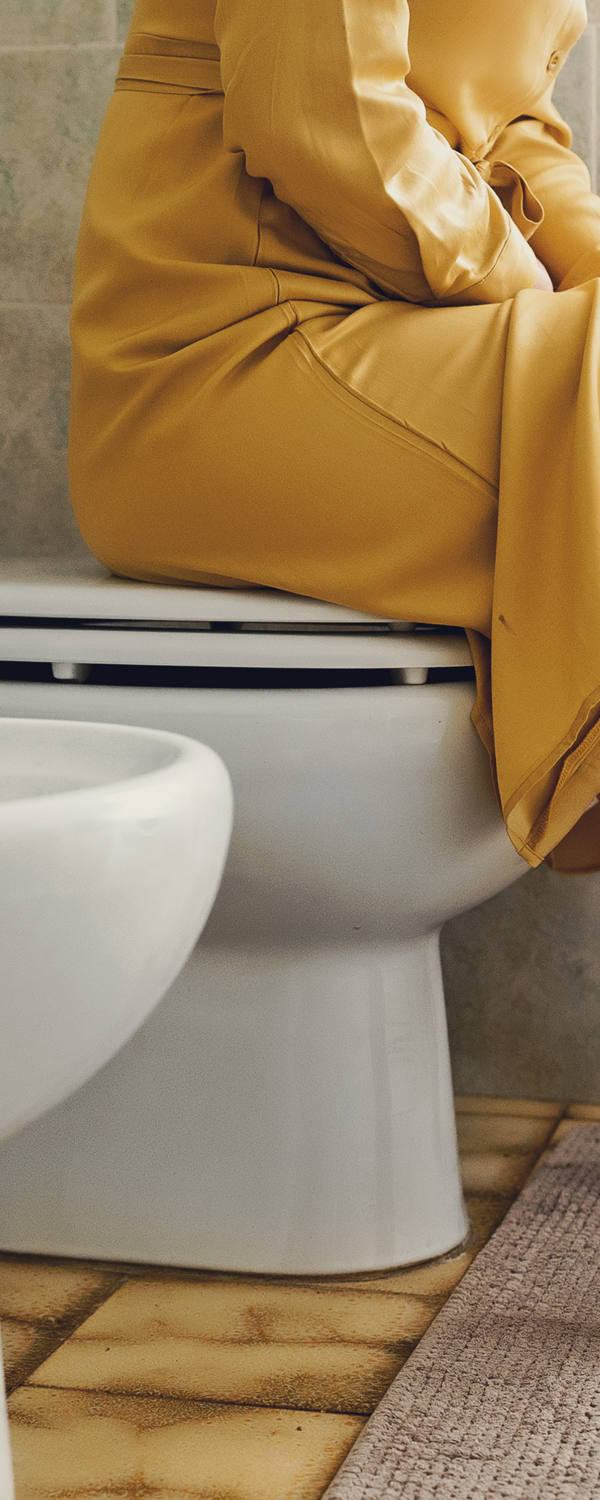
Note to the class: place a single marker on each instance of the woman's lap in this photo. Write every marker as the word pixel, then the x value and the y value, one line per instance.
pixel 431 464
pixel 355 460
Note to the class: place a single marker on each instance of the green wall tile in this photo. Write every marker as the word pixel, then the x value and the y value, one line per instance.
pixel 51 112
pixel 35 515
pixel 35 22
pixel 124 14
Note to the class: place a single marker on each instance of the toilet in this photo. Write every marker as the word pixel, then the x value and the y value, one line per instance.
pixel 287 1109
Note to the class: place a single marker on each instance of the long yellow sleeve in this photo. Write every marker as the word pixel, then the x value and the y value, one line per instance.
pixel 316 98
pixel 568 239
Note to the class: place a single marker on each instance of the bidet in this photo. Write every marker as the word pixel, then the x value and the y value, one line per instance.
pixel 113 840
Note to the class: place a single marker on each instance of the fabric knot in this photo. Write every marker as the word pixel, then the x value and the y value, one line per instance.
pixel 514 192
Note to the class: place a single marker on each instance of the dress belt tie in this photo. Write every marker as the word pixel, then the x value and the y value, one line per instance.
pixel 174 65
pixel 180 66
pixel 514 192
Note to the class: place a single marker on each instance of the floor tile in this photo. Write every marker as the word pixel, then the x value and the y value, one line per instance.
pixel 75 1444
pixel 562 1129
pixel 275 1346
pixel 44 1291
pixel 430 1278
pixel 41 1302
pixel 485 1212
pixel 497 1152
pixel 173 1383
pixel 503 1133
pixel 473 1105
pixel 490 1171
pixel 24 1345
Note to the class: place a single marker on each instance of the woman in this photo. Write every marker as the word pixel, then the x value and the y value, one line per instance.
pixel 310 350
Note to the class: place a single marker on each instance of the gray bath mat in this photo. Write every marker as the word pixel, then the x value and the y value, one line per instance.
pixel 501 1397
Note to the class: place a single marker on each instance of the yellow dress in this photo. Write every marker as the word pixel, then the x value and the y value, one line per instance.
pixel 307 353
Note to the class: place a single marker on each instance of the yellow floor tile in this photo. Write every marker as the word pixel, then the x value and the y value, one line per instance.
pixel 503 1133
pixel 24 1345
pixel 490 1172
pixel 74 1443
pixel 175 1382
pixel 44 1291
pixel 431 1278
pixel 260 1344
pixel 498 1152
pixel 486 1211
pixel 40 1305
pixel 562 1129
pixel 471 1104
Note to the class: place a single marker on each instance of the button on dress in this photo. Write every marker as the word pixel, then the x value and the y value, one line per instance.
pixel 307 352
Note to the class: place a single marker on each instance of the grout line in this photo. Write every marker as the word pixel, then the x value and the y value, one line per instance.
pixel 62 1336
pixel 99 1390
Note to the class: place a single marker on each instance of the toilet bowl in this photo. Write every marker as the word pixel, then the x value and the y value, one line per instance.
pixel 287 1108
pixel 112 846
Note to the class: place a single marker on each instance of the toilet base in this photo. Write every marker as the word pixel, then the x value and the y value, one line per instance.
pixel 289 1113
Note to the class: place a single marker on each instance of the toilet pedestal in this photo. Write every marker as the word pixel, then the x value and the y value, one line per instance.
pixel 289 1116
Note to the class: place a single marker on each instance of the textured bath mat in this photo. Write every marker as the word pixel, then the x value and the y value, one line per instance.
pixel 501 1397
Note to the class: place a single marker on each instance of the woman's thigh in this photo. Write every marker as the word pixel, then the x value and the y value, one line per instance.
pixel 353 459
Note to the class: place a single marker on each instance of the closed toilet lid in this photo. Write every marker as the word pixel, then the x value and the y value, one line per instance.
pixel 74 586
pixel 62 603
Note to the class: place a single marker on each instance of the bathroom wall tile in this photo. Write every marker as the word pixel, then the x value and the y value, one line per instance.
pixel 260 1344
pixel 73 1443
pixel 56 21
pixel 124 14
pixel 575 97
pixel 36 515
pixel 522 981
pixel 53 105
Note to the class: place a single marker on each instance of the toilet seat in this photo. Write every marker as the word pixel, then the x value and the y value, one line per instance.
pixel 73 611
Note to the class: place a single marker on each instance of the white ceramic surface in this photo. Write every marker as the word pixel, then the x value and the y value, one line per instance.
pixel 289 1105
pixel 113 840
pixel 112 845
